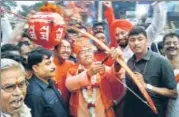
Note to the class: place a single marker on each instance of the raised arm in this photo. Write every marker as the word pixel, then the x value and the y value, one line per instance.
pixel 158 21
pixel 78 81
pixel 110 17
pixel 109 12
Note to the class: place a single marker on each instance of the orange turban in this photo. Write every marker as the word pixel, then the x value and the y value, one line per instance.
pixel 123 24
pixel 80 43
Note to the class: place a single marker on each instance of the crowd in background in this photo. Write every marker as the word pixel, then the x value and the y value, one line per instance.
pixel 79 78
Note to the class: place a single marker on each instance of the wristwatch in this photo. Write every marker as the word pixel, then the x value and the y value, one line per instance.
pixel 149 86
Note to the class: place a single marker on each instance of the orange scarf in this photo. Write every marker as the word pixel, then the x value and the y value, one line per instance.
pixel 60 76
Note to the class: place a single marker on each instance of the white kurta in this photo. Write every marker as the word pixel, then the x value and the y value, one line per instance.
pixel 6 29
pixel 173 105
pixel 155 28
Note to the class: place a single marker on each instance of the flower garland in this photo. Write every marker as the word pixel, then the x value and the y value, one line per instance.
pixel 91 100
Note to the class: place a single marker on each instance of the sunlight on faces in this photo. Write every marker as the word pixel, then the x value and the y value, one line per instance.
pixel 121 37
pixel 12 98
pixel 171 46
pixel 138 43
pixel 64 50
pixel 102 38
pixel 86 56
pixel 45 69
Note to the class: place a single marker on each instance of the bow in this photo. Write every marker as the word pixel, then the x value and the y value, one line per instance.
pixel 128 70
pixel 121 62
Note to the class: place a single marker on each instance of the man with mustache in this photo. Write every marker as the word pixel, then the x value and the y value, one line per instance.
pixel 171 50
pixel 119 28
pixel 43 98
pixel 13 89
pixel 62 53
pixel 155 74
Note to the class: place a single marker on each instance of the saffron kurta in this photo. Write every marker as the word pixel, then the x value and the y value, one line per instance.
pixel 78 106
pixel 60 76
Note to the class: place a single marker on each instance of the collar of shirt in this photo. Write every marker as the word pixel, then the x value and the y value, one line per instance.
pixel 5 114
pixel 42 84
pixel 146 57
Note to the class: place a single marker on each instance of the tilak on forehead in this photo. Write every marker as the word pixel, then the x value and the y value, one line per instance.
pixel 9 63
pixel 80 44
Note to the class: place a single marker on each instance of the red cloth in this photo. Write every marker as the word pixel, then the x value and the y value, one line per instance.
pixel 116 87
pixel 102 56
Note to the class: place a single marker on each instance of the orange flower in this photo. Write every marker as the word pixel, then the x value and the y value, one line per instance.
pixel 48 7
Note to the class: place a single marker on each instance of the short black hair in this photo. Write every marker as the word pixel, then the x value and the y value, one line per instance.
pixel 36 56
pixel 136 30
pixel 98 24
pixel 20 44
pixel 25 34
pixel 160 45
pixel 145 25
pixel 9 47
pixel 98 32
pixel 71 31
pixel 15 57
pixel 170 35
pixel 82 27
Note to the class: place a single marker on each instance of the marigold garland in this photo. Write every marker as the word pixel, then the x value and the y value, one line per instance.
pixel 49 7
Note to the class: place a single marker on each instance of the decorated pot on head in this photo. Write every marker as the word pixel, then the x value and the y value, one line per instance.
pixel 47 27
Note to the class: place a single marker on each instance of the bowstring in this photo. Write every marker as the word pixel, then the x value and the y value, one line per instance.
pixel 145 102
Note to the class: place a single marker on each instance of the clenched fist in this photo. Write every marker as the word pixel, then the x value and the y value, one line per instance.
pixel 96 67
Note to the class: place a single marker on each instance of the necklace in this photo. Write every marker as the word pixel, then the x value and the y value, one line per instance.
pixel 142 71
pixel 91 100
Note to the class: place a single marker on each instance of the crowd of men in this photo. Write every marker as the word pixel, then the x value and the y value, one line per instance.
pixel 79 78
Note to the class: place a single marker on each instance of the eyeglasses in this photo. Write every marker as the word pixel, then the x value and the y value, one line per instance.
pixel 10 88
pixel 88 51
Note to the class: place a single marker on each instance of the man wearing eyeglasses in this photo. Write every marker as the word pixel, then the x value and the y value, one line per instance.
pixel 13 89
